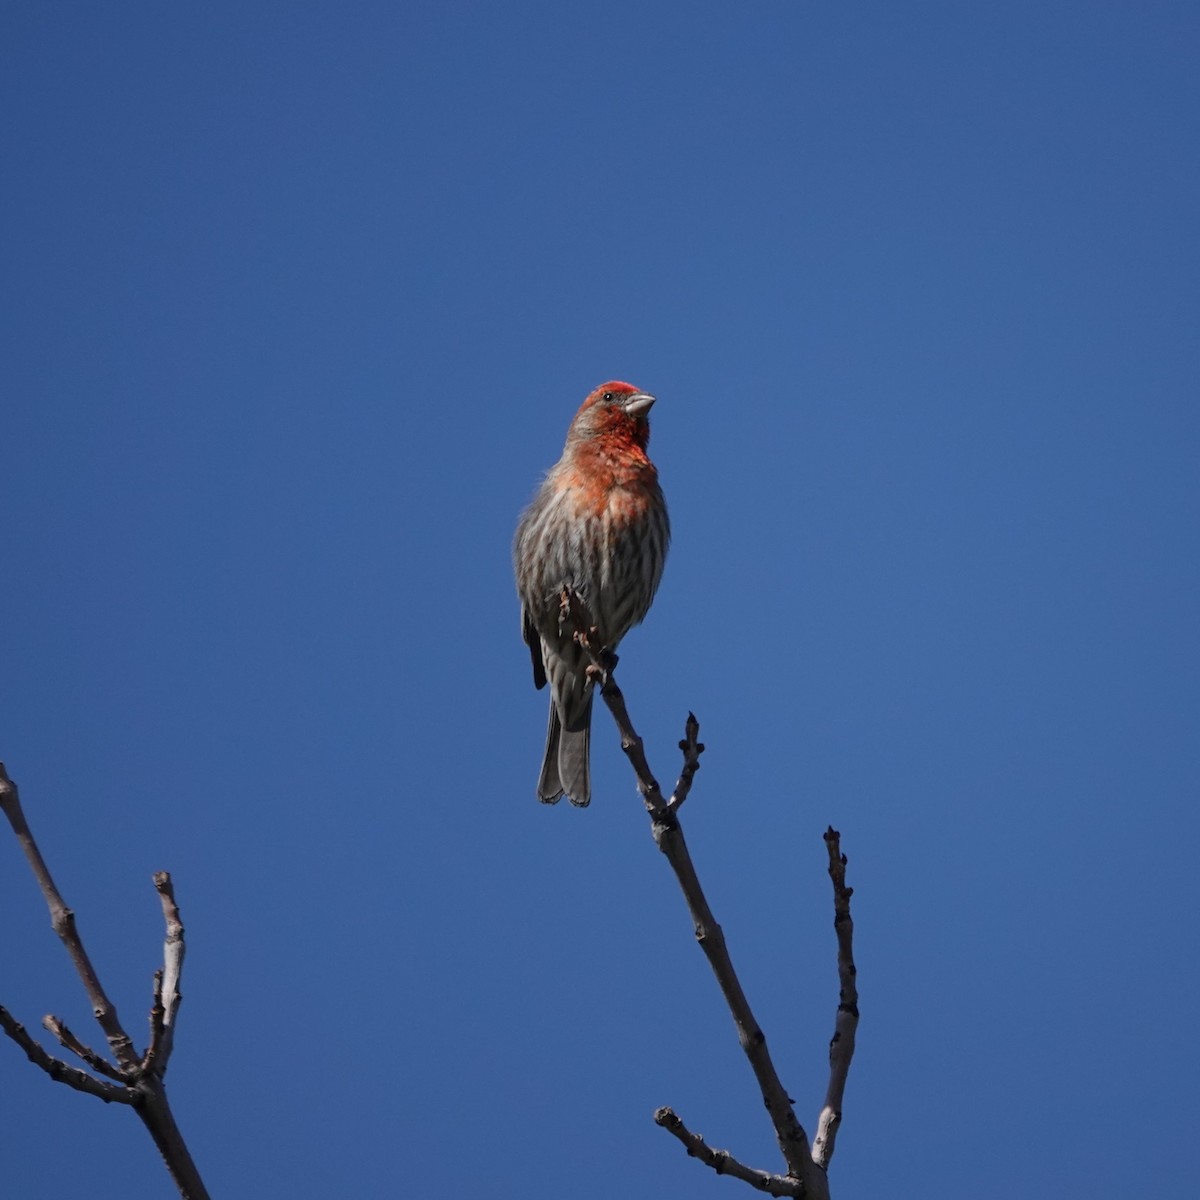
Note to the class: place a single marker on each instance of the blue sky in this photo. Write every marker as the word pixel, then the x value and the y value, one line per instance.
pixel 300 299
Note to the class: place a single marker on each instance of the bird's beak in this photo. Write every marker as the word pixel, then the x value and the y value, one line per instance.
pixel 638 403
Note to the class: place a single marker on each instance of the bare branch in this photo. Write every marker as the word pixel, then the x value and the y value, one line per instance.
pixel 167 996
pixel 841 1046
pixel 63 921
pixel 604 661
pixel 692 748
pixel 73 1077
pixel 137 1080
pixel 809 1175
pixel 69 1041
pixel 723 1162
pixel 152 1107
pixel 157 1012
pixel 668 835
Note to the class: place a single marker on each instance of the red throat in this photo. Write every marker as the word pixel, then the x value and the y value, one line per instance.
pixel 621 431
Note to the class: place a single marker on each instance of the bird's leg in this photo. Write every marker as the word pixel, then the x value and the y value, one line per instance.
pixel 572 611
pixel 603 663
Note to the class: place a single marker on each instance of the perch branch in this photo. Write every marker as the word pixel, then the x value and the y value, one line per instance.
pixel 668 836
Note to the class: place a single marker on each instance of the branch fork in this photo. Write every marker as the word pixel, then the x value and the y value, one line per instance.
pixel 133 1079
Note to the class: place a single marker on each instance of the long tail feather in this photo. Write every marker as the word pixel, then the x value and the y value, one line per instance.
pixel 566 767
pixel 550 788
pixel 574 758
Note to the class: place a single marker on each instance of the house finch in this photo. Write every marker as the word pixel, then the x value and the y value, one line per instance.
pixel 598 526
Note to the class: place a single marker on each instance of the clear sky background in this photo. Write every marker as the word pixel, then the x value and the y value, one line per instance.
pixel 299 299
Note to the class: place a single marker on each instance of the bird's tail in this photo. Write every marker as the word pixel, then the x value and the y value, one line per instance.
pixel 566 767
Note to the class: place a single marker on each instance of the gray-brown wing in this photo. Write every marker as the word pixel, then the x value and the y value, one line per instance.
pixel 534 642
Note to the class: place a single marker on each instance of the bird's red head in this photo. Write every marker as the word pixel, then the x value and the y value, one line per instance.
pixel 615 412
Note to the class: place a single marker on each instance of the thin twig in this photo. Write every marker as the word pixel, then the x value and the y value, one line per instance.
pixel 841 1046
pixel 63 921
pixel 723 1162
pixel 692 748
pixel 167 996
pixel 69 1041
pixel 157 1012
pixel 573 610
pixel 668 836
pixel 73 1077
pixel 137 1080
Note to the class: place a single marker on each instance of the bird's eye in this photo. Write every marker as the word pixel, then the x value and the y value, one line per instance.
pixel 608 397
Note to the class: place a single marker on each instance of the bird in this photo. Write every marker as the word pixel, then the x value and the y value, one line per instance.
pixel 597 526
